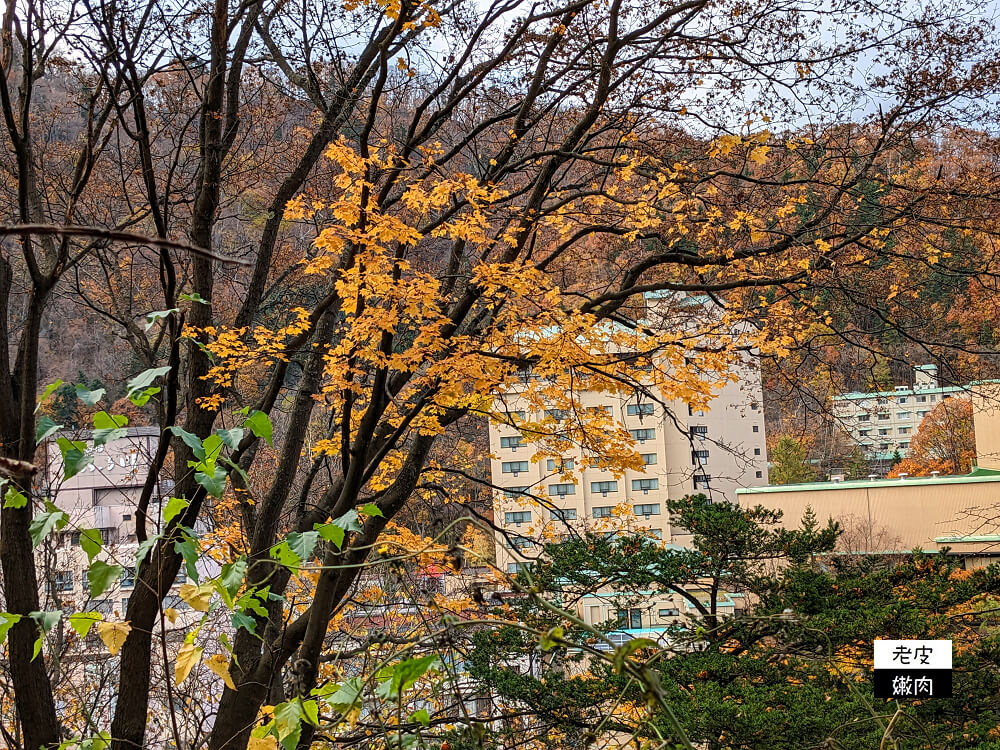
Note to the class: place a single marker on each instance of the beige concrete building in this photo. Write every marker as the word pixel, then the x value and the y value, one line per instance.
pixel 961 513
pixel 884 422
pixel 102 496
pixel 683 451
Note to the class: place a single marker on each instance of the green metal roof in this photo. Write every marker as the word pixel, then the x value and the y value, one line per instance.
pixel 977 475
pixel 860 395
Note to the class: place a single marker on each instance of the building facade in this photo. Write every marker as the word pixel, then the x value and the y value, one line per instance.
pixel 683 452
pixel 884 422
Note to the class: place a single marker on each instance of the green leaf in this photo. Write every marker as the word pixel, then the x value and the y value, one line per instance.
pixel 348 521
pixel 45 621
pixel 331 533
pixel 407 672
pixel 232 574
pixel 551 639
pixel 74 456
pixel 345 697
pixel 174 506
pixel 191 440
pixel 109 427
pixel 152 317
pixel 260 425
pixel 82 622
pixel 311 711
pixel 43 524
pixel 215 485
pixel 49 390
pixel 372 510
pixel 100 576
pixel 243 620
pixel 88 397
pixel 90 542
pixel 141 387
pixel 231 437
pixel 100 741
pixel 7 621
pixel 187 547
pixel 421 716
pixel 288 723
pixel 284 554
pixel 13 498
pixel 194 297
pixel 303 544
pixel 45 427
pixel 144 549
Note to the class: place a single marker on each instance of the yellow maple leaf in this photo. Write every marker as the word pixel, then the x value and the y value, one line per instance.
pixel 187 657
pixel 171 614
pixel 759 154
pixel 198 597
pixel 263 743
pixel 113 634
pixel 220 665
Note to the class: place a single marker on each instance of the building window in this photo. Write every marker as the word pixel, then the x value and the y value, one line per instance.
pixel 648 459
pixel 756 451
pixel 645 485
pixel 664 613
pixel 699 431
pixel 883 446
pixel 905 430
pixel 759 474
pixel 518 567
pixel 922 414
pixel 564 488
pixel 883 432
pixel 557 414
pixel 604 487
pixel 128 577
pixel 562 514
pixel 63 580
pixel 699 457
pixel 513 443
pixel 701 481
pixel 630 618
pixel 559 464
pixel 864 433
pixel 603 511
pixel 921 399
pixel 901 400
pixel 864 417
pixel 517 517
pixel 904 415
pixel 513 467
pixel 520 542
pixel 640 410
pixel 933 399
pixel 753 406
pixel 647 509
pixel 904 444
pixel 882 417
pixel 756 428
pixel 512 492
pixel 643 435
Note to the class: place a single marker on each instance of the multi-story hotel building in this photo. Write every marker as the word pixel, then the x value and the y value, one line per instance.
pixel 884 422
pixel 684 452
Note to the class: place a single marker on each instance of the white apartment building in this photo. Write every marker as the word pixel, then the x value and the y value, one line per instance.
pixel 102 496
pixel 884 422
pixel 684 452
